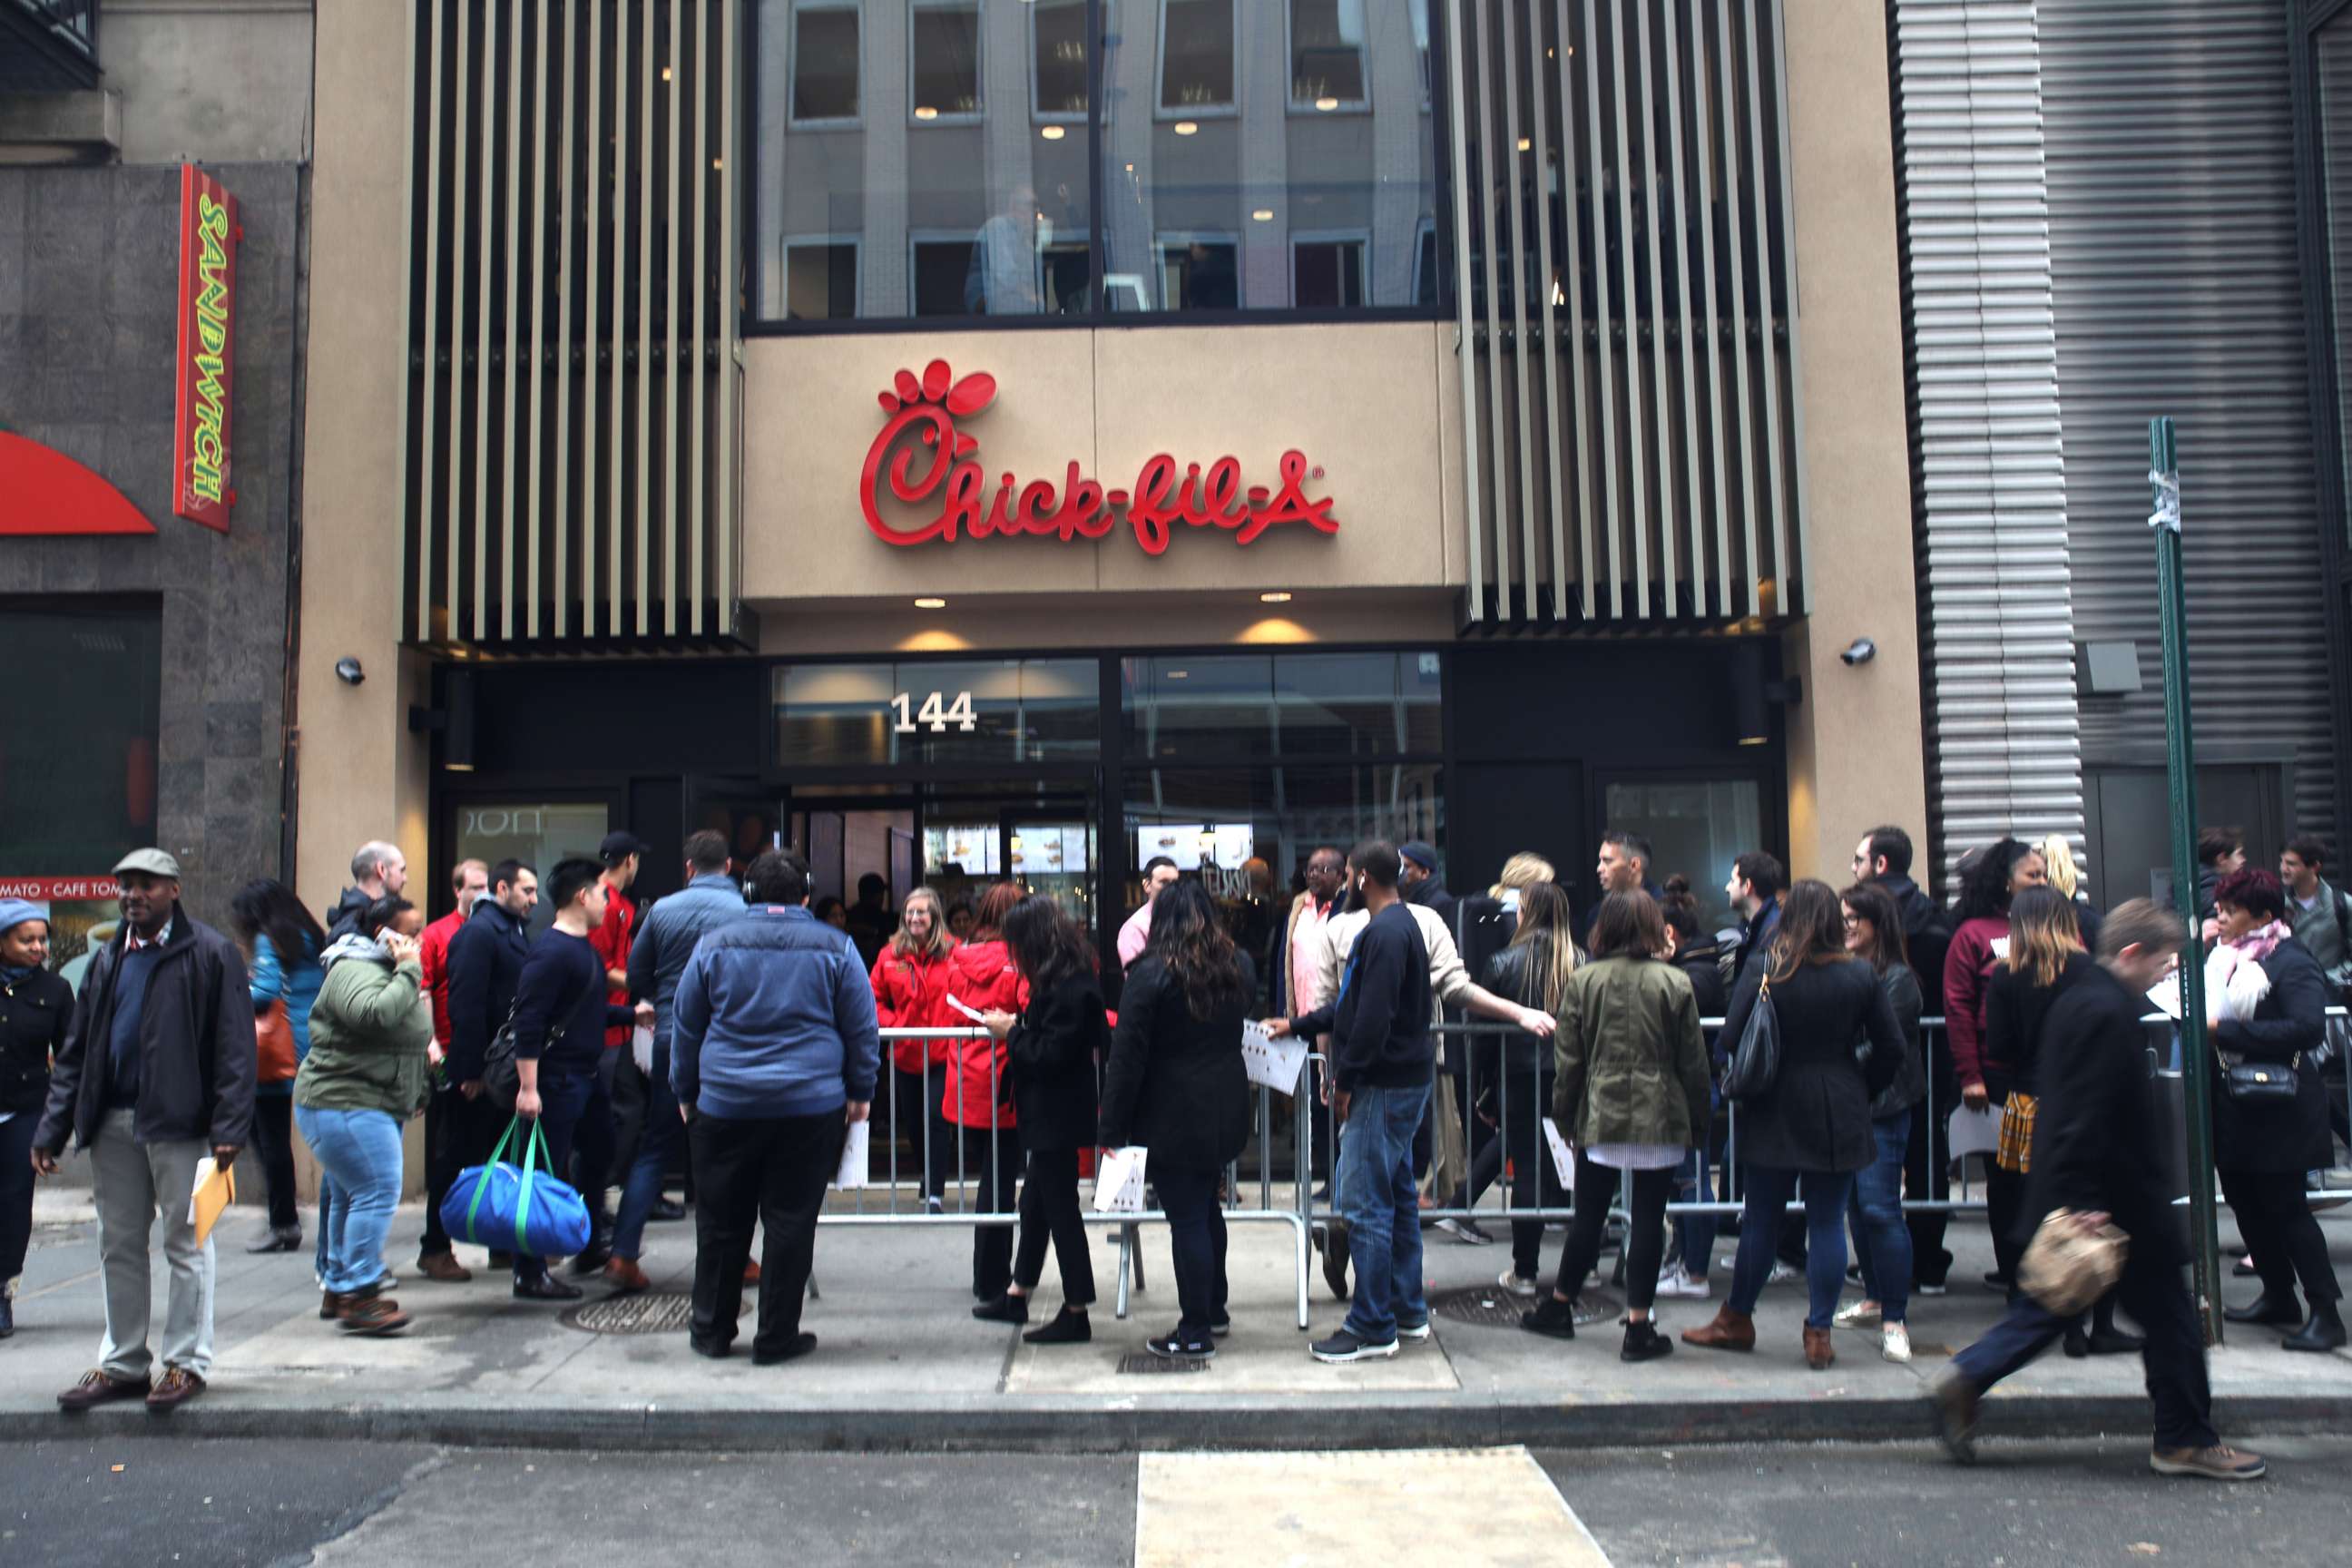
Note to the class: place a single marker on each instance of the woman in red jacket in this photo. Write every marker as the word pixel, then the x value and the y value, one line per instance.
pixel 1979 946
pixel 983 977
pixel 910 982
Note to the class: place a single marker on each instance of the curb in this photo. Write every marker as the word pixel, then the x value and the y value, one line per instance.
pixel 1110 1428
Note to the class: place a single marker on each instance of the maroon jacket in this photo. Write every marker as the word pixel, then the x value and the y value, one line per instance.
pixel 1967 967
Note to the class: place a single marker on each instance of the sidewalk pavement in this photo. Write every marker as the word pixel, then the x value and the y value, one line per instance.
pixel 900 1365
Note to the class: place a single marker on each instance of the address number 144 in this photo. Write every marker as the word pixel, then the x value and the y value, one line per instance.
pixel 934 713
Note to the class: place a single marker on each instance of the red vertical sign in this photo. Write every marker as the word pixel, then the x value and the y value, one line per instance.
pixel 208 237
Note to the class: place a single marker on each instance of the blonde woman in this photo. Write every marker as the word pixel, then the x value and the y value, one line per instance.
pixel 1489 924
pixel 1534 972
pixel 2066 876
pixel 910 991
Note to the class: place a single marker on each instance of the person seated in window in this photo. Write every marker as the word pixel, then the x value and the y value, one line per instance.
pixel 1004 278
pixel 1209 280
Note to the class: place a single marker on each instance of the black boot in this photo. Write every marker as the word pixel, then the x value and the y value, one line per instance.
pixel 1553 1317
pixel 2264 1310
pixel 2323 1331
pixel 1006 1308
pixel 1643 1342
pixel 1068 1328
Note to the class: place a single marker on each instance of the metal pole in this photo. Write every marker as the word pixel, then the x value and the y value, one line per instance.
pixel 2180 771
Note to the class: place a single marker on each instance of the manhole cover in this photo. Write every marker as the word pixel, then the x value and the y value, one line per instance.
pixel 646 1313
pixel 1492 1307
pixel 1145 1362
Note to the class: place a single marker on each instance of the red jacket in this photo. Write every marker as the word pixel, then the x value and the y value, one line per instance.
pixel 982 976
pixel 433 952
pixel 610 942
pixel 1967 966
pixel 912 994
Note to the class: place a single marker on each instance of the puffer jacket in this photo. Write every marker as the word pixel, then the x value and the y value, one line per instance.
pixel 911 992
pixel 369 1030
pixel 1633 1061
pixel 981 975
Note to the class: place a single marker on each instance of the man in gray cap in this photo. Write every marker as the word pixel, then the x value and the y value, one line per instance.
pixel 156 1072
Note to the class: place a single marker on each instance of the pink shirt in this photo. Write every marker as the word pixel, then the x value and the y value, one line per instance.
pixel 1134 936
pixel 1306 956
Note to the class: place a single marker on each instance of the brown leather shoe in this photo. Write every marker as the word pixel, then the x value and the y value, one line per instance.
pixel 332 1304
pixel 444 1267
pixel 625 1278
pixel 375 1316
pixel 178 1386
pixel 97 1388
pixel 1730 1330
pixel 751 1272
pixel 1819 1353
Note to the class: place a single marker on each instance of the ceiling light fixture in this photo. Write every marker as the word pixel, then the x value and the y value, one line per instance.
pixel 1279 596
pixel 1188 127
pixel 1262 215
pixel 1052 132
pixel 925 111
pixel 930 603
pixel 1179 675
pixel 1326 105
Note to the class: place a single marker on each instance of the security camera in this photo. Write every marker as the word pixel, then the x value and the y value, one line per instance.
pixel 348 670
pixel 1861 650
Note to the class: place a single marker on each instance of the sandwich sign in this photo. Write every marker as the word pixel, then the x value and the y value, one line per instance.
pixel 201 490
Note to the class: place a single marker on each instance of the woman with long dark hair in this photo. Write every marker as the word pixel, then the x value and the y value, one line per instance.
pixel 1174 1083
pixel 1633 1094
pixel 286 942
pixel 910 979
pixel 1810 1127
pixel 1534 971
pixel 1881 1242
pixel 1051 1048
pixel 2267 1003
pixel 982 975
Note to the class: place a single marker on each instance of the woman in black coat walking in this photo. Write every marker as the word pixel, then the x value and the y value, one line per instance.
pixel 35 1007
pixel 2262 1146
pixel 1050 1076
pixel 1175 1084
pixel 1812 1127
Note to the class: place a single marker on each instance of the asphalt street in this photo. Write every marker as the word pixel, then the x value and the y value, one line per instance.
pixel 158 1499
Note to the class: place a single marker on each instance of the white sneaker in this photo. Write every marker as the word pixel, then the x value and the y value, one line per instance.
pixel 1520 1285
pixel 1895 1343
pixel 1857 1315
pixel 1782 1274
pixel 1676 1283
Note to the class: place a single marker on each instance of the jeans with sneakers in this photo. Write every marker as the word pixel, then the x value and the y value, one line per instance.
pixel 1381 1204
pixel 1770 1188
pixel 1694 1247
pixel 1881 1241
pixel 362 1151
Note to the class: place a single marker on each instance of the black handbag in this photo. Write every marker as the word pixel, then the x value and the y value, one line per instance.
pixel 501 1078
pixel 2261 1083
pixel 1756 1063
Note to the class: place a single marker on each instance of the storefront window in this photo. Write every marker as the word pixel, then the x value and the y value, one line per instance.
pixel 537 833
pixel 1178 706
pixel 1696 828
pixel 978 711
pixel 920 186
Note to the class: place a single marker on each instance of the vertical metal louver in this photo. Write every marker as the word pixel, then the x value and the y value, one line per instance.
pixel 1989 484
pixel 2171 154
pixel 1625 283
pixel 572 321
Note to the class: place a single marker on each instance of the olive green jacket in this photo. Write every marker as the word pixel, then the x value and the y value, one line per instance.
pixel 1633 1064
pixel 369 1030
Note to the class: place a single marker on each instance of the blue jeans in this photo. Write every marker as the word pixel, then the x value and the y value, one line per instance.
pixel 331 1204
pixel 1770 1188
pixel 1695 1233
pixel 641 1188
pixel 1882 1240
pixel 360 1150
pixel 1382 1207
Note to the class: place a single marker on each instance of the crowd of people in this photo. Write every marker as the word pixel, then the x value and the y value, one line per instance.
pixel 764 1017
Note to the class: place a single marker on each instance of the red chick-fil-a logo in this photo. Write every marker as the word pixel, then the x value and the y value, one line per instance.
pixel 922 456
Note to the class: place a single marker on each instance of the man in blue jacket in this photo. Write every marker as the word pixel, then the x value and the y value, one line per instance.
pixel 666 938
pixel 774 1050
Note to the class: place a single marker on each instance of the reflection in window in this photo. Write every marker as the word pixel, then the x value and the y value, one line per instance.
pixel 1327 274
pixel 1197 273
pixel 820 280
pixel 1694 827
pixel 1196 55
pixel 944 49
pixel 941 267
pixel 1057 60
pixel 825 61
pixel 537 833
pixel 1327 54
pixel 73 800
pixel 1300 704
pixel 1424 264
pixel 975 710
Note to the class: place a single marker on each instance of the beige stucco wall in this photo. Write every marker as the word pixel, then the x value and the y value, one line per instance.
pixel 1854 743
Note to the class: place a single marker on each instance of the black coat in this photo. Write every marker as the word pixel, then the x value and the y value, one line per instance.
pixel 1175 1083
pixel 2290 1021
pixel 1513 976
pixel 1926 932
pixel 1910 1083
pixel 2016 1015
pixel 1816 1116
pixel 2100 1129
pixel 1050 1056
pixel 485 967
pixel 196 1054
pixel 33 1014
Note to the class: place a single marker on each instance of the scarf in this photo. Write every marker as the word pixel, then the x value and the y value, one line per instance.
pixel 354 946
pixel 12 972
pixel 2257 944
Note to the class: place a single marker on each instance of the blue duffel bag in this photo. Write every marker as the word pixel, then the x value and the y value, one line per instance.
pixel 524 1210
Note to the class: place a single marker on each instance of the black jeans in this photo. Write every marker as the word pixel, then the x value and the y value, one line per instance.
pixel 1196 1234
pixel 766 1170
pixel 569 1100
pixel 458 1133
pixel 17 1194
pixel 998 1167
pixel 595 1143
pixel 2275 1221
pixel 2173 1357
pixel 1049 1210
pixel 1928 1175
pixel 1645 1239
pixel 273 1140
pixel 2005 1203
pixel 1534 1182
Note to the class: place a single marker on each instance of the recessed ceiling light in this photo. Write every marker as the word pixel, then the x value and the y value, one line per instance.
pixel 1525 145
pixel 1187 127
pixel 1262 215
pixel 718 162
pixel 1279 596
pixel 925 111
pixel 665 73
pixel 1179 675
pixel 930 603
pixel 1052 132
pixel 1327 104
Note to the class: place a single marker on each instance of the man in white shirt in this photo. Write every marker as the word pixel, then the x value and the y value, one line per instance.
pixel 1157 872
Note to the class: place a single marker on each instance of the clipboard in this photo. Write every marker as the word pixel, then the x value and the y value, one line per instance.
pixel 214 1190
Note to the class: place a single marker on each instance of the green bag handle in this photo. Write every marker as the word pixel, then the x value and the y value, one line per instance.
pixel 533 1153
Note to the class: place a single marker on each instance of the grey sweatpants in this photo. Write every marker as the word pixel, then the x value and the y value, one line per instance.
pixel 133 1182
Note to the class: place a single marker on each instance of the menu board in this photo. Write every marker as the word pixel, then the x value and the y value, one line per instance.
pixel 974 850
pixel 1195 845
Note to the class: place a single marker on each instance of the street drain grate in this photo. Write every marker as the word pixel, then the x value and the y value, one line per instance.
pixel 646 1313
pixel 1492 1307
pixel 1142 1362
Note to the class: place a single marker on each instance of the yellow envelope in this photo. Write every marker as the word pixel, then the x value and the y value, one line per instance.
pixel 215 1189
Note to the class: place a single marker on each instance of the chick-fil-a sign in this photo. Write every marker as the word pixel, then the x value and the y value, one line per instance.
pixel 923 459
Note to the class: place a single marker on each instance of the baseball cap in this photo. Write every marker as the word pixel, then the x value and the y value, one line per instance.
pixel 154 862
pixel 618 846
pixel 1420 854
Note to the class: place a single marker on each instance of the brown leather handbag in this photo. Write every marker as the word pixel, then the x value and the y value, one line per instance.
pixel 2071 1263
pixel 274 1037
